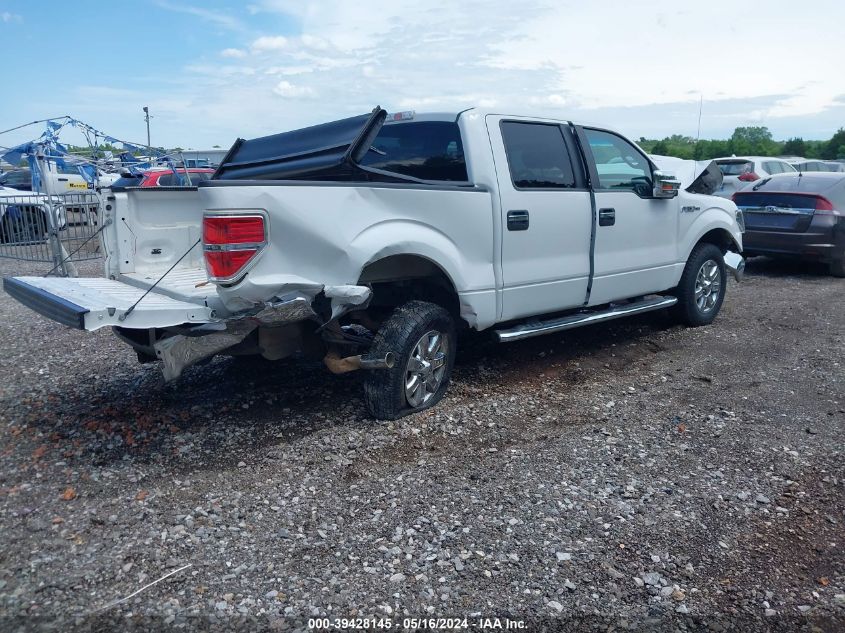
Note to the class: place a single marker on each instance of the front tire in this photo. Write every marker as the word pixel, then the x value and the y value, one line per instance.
pixel 421 335
pixel 701 290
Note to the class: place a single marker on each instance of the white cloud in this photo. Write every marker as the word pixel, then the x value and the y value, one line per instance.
pixel 10 17
pixel 317 43
pixel 270 43
pixel 235 53
pixel 638 67
pixel 292 91
pixel 289 70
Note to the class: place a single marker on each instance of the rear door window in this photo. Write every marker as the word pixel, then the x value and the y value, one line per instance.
pixel 537 156
pixel 428 150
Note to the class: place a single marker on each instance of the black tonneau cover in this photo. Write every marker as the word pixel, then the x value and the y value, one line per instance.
pixel 708 181
pixel 321 152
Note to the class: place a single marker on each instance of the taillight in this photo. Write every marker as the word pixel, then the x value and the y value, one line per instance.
pixel 825 206
pixel 230 242
pixel 749 176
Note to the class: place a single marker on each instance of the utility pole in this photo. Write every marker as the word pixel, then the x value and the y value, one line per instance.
pixel 147 119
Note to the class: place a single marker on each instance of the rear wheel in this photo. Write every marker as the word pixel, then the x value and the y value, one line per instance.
pixel 702 288
pixel 422 337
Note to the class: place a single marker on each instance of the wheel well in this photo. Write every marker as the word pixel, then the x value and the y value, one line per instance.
pixel 719 237
pixel 400 278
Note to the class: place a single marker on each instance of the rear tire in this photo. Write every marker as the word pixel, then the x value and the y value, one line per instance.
pixel 421 335
pixel 701 290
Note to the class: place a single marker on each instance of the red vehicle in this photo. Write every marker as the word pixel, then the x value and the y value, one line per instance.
pixel 164 178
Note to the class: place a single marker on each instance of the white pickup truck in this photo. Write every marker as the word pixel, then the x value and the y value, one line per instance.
pixel 373 241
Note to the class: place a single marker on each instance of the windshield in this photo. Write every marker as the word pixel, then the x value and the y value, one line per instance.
pixel 12 178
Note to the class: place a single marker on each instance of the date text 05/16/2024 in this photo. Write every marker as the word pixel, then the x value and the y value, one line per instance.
pixel 415 624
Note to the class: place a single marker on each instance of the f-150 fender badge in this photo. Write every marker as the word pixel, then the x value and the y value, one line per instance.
pixel 690 209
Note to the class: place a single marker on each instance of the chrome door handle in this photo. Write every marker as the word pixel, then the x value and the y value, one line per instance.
pixel 607 217
pixel 518 220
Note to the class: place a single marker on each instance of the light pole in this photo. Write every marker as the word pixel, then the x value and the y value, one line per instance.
pixel 147 119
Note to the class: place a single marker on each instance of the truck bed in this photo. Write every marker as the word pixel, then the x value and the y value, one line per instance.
pixel 181 283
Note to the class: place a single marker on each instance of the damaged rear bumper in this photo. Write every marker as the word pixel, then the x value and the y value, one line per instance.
pixel 183 350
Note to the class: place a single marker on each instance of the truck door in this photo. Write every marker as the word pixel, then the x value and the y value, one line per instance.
pixel 546 216
pixel 636 247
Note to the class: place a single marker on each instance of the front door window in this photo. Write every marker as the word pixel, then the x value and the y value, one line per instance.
pixel 619 164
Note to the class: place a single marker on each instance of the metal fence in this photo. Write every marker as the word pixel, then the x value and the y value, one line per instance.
pixel 58 230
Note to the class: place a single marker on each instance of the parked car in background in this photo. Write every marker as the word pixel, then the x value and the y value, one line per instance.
pixel 738 171
pixel 20 179
pixel 162 177
pixel 796 215
pixel 807 164
pixel 815 164
pixel 127 180
pixel 169 178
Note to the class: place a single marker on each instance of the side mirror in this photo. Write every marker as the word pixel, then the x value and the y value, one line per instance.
pixel 665 185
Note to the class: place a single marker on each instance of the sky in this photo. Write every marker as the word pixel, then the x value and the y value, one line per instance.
pixel 213 70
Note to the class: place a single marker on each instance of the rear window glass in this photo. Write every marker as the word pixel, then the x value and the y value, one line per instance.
pixel 428 150
pixel 537 156
pixel 763 199
pixel 736 168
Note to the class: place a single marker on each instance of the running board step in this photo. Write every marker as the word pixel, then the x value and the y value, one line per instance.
pixel 536 328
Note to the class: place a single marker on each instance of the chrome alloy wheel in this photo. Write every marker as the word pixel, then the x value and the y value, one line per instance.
pixel 426 368
pixel 708 285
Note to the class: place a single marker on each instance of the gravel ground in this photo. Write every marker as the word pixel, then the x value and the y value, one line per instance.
pixel 635 475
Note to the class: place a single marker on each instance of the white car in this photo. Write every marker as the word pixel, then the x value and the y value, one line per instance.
pixel 738 171
pixel 372 241
pixel 812 164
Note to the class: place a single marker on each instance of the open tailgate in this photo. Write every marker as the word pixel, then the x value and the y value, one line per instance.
pixel 89 303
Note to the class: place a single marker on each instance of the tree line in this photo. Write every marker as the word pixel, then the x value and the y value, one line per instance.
pixel 746 141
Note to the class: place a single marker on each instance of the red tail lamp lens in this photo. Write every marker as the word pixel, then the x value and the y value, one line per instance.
pixel 230 242
pixel 233 230
pixel 226 264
